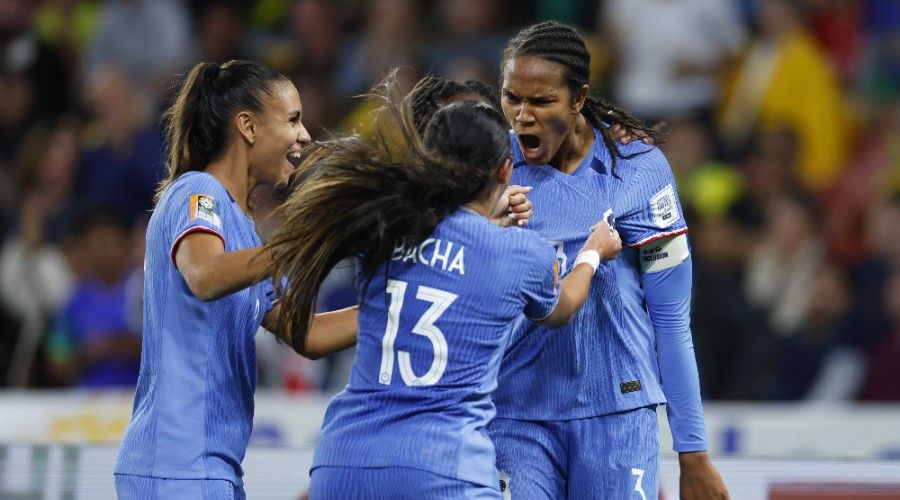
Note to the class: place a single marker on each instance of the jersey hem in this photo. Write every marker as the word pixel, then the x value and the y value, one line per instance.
pixel 194 477
pixel 658 236
pixel 405 466
pixel 579 416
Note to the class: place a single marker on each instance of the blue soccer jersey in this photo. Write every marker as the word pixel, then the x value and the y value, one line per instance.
pixel 433 324
pixel 193 408
pixel 604 360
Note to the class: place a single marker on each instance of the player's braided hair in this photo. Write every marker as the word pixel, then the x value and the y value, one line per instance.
pixel 197 123
pixel 488 92
pixel 428 96
pixel 561 44
pixel 369 198
pixel 432 93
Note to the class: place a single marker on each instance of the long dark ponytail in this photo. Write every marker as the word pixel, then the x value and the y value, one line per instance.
pixel 362 198
pixel 561 44
pixel 198 121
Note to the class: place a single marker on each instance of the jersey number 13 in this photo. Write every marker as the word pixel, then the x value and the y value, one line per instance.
pixel 440 301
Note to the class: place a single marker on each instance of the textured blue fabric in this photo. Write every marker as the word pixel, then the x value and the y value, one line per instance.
pixel 668 295
pixel 151 488
pixel 600 457
pixel 193 408
pixel 423 402
pixel 392 483
pixel 607 360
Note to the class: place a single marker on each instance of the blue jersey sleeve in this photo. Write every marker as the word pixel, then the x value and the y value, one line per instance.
pixel 668 296
pixel 649 208
pixel 540 284
pixel 194 205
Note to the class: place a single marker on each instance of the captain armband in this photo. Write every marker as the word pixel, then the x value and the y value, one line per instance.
pixel 664 254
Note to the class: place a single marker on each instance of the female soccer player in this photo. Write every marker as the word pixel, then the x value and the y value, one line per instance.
pixel 229 130
pixel 577 412
pixel 441 286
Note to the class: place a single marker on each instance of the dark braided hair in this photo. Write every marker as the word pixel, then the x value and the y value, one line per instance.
pixel 433 92
pixel 561 44
pixel 489 93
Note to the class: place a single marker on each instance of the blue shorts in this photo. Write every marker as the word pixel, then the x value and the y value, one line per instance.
pixel 390 483
pixel 151 488
pixel 612 456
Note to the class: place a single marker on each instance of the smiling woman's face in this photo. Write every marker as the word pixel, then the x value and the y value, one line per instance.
pixel 281 133
pixel 538 105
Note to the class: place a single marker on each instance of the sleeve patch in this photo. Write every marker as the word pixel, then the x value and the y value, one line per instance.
pixel 664 254
pixel 664 207
pixel 204 207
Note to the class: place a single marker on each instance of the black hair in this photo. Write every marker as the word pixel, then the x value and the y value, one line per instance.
pixel 365 198
pixel 432 93
pixel 561 43
pixel 198 121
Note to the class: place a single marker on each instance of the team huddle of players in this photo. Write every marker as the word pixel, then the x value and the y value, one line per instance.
pixel 492 361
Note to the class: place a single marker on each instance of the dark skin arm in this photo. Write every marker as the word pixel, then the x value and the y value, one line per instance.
pixel 573 290
pixel 699 478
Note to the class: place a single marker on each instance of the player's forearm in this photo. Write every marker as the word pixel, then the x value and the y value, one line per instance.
pixel 572 293
pixel 668 295
pixel 331 332
pixel 226 273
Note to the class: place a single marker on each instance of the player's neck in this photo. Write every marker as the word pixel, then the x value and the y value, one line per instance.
pixel 575 146
pixel 232 171
pixel 483 206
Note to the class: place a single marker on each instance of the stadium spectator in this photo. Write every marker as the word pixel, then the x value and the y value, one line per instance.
pixel 470 43
pixel 93 342
pixel 803 353
pixel 667 54
pixel 147 39
pixel 390 38
pixel 884 362
pixel 785 81
pixel 124 159
pixel 782 266
pixel 221 32
pixel 37 265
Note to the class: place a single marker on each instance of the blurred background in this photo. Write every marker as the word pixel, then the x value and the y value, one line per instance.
pixel 785 142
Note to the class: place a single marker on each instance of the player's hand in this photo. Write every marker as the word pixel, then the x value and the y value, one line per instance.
pixel 513 207
pixel 699 478
pixel 604 240
pixel 625 136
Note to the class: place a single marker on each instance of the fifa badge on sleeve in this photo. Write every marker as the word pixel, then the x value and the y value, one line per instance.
pixel 203 206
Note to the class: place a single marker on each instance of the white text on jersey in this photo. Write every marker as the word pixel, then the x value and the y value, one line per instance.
pixel 435 253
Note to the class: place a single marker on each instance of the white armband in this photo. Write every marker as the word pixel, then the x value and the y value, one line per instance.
pixel 664 254
pixel 590 257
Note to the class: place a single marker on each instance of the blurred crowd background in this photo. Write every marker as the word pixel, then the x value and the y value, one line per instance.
pixel 785 142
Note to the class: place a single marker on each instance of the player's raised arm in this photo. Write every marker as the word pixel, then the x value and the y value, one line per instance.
pixel 603 244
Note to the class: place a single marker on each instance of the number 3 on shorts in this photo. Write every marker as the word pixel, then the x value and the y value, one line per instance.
pixel 639 473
